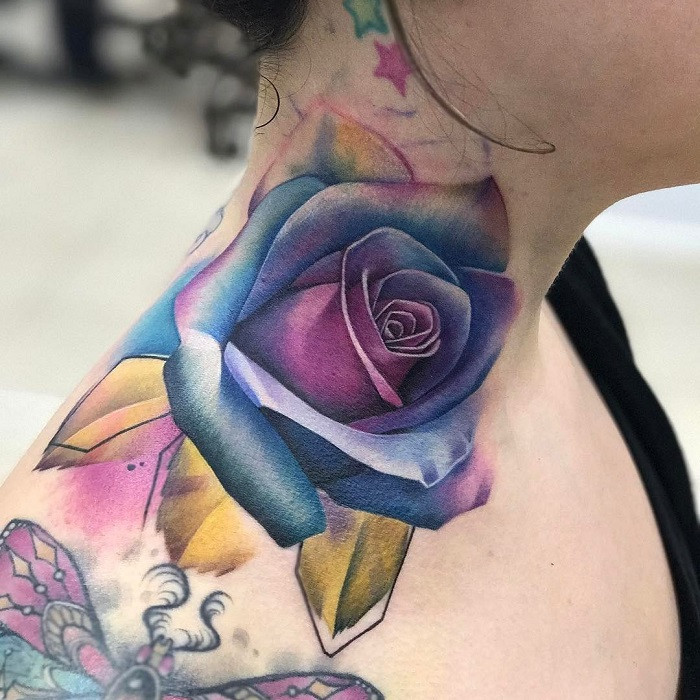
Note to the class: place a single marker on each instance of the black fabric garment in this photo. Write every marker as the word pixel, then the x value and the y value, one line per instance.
pixel 582 301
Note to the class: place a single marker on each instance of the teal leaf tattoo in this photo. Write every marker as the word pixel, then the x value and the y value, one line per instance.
pixel 367 16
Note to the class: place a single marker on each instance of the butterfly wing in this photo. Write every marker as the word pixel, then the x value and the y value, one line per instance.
pixel 303 687
pixel 27 674
pixel 44 604
pixel 35 570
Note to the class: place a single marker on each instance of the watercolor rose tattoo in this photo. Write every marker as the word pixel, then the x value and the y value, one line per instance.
pixel 358 318
pixel 322 374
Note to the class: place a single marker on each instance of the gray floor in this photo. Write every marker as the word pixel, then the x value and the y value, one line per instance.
pixel 99 199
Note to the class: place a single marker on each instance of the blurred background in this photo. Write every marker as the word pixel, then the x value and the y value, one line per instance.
pixel 123 126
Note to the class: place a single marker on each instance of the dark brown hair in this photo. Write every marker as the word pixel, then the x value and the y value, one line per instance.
pixel 268 24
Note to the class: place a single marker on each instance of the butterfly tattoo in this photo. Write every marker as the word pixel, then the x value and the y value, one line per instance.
pixel 52 647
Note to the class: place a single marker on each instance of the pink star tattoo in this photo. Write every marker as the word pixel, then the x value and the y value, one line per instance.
pixel 393 65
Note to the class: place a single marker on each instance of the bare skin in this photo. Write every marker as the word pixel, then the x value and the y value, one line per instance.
pixel 558 586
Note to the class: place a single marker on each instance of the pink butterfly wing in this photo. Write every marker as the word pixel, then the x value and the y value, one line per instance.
pixel 35 570
pixel 302 687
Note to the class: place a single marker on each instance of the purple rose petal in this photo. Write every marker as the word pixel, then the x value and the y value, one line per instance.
pixel 426 454
pixel 493 302
pixel 407 326
pixel 346 365
pixel 453 309
pixel 302 339
pixel 446 220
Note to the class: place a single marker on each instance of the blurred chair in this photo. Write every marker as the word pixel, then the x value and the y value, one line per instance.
pixel 193 36
pixel 187 37
pixel 79 24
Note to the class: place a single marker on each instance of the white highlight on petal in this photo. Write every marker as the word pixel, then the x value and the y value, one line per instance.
pixel 426 454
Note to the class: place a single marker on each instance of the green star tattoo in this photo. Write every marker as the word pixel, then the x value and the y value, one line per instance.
pixel 367 16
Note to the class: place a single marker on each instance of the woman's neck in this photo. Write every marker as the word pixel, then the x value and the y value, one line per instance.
pixel 536 225
pixel 346 60
pixel 353 127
